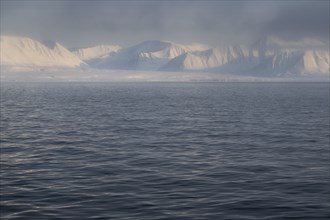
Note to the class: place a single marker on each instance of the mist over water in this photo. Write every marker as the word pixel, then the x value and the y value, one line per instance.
pixel 164 151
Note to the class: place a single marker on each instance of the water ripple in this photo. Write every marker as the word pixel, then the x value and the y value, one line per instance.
pixel 164 151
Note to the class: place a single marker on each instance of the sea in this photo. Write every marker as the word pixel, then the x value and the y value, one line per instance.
pixel 161 150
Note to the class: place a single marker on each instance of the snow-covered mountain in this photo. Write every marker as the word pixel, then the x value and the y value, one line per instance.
pixel 97 52
pixel 297 62
pixel 230 59
pixel 22 52
pixel 265 57
pixel 278 57
pixel 148 55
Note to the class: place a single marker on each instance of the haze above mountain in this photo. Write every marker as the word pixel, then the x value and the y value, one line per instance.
pixel 264 57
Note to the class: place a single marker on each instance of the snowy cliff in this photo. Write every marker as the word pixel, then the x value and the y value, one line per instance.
pixel 20 52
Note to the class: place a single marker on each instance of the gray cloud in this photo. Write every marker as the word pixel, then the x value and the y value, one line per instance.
pixel 80 23
pixel 307 19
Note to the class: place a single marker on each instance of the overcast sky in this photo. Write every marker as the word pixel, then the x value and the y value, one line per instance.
pixel 84 23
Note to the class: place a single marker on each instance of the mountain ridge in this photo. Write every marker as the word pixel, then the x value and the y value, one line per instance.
pixel 267 56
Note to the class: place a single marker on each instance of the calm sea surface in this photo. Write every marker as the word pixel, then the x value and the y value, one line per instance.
pixel 165 151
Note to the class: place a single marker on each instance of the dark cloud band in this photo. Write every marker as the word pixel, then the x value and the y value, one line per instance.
pixel 78 23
